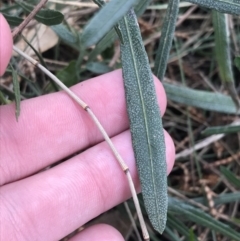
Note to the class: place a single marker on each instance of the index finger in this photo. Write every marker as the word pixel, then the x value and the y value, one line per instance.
pixel 6 43
pixel 53 126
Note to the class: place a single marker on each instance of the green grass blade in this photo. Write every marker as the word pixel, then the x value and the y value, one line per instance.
pixel 67 36
pixel 145 122
pixel 230 176
pixel 223 50
pixel 104 43
pixel 3 99
pixel 166 38
pixel 171 234
pixel 104 20
pixel 202 99
pixel 141 7
pixel 16 90
pixel 198 216
pixel 224 6
pixel 221 199
pixel 101 3
pixel 221 129
pixel 98 68
pixel 175 224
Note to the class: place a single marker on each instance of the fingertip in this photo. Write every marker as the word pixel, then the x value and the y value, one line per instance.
pixel 170 151
pixel 98 232
pixel 6 44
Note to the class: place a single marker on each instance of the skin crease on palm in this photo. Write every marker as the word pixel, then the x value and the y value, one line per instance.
pixel 48 205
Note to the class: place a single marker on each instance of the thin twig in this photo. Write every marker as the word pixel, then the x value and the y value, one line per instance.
pixel 101 129
pixel 132 221
pixel 76 4
pixel 25 22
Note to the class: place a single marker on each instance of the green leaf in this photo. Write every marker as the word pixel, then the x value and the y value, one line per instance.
pixel 221 129
pixel 224 6
pixel 12 21
pixel 108 39
pixel 174 223
pixel 98 68
pixel 67 36
pixel 104 20
pixel 196 215
pixel 104 43
pixel 166 38
pixel 171 234
pixel 46 16
pixel 223 53
pixel 16 90
pixel 230 176
pixel 145 122
pixel 141 7
pixel 202 99
pixel 3 99
pixel 222 46
pixel 68 74
pixel 101 3
pixel 237 62
pixel 221 199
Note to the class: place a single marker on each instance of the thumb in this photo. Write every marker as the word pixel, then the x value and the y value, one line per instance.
pixel 6 44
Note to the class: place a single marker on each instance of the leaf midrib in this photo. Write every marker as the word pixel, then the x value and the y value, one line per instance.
pixel 143 107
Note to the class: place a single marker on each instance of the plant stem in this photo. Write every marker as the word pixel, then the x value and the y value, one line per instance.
pixel 25 22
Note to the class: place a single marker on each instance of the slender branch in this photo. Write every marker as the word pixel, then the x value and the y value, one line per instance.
pixel 137 206
pixel 101 129
pixel 25 22
pixel 76 4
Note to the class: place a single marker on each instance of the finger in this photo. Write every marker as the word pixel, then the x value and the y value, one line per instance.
pixel 58 201
pixel 6 43
pixel 99 232
pixel 52 127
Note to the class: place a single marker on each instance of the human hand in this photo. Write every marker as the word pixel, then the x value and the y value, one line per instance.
pixel 5 44
pixel 48 205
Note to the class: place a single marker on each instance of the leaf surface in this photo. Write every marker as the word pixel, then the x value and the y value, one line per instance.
pixel 166 38
pixel 46 16
pixel 104 20
pixel 223 53
pixel 145 122
pixel 224 6
pixel 221 129
pixel 202 99
pixel 16 90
